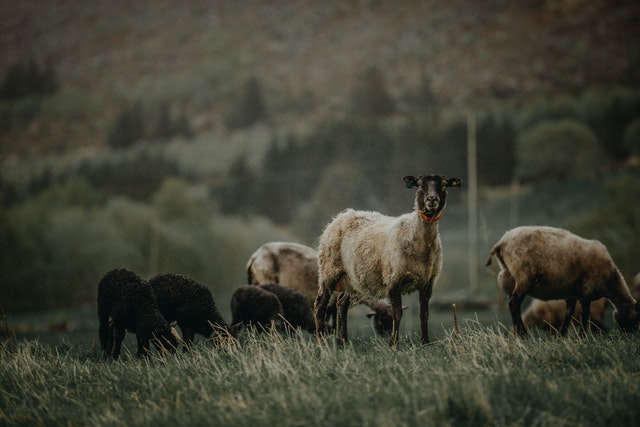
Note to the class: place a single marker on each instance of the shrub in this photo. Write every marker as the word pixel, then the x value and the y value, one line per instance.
pixel 608 112
pixel 631 137
pixel 557 150
pixel 542 110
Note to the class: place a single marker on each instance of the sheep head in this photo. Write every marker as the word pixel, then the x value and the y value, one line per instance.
pixel 431 197
pixel 164 339
pixel 628 320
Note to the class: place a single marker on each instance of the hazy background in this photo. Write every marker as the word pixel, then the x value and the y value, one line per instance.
pixel 178 137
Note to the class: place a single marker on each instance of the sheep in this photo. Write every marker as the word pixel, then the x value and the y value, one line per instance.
pixel 296 266
pixel 297 310
pixel 190 304
pixel 253 305
pixel 549 315
pixel 552 263
pixel 132 305
pixel 285 263
pixel 366 254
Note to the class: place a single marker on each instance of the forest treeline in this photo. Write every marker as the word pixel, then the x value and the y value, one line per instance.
pixel 63 224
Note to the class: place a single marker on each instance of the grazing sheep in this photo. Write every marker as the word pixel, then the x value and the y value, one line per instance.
pixel 296 308
pixel 188 303
pixel 549 315
pixel 366 254
pixel 285 263
pixel 132 305
pixel 296 266
pixel 551 263
pixel 253 305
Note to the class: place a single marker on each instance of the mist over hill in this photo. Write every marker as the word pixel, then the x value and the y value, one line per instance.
pixel 176 138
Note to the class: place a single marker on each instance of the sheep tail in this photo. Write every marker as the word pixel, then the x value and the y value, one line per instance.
pixel 495 251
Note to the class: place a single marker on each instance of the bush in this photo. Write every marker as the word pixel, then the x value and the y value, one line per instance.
pixel 631 137
pixel 615 221
pixel 557 150
pixel 608 112
pixel 542 110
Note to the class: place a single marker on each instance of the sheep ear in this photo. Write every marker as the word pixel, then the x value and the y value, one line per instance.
pixel 410 181
pixel 454 182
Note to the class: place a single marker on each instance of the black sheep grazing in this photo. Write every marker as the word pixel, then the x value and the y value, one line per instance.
pixel 188 303
pixel 296 307
pixel 253 305
pixel 132 305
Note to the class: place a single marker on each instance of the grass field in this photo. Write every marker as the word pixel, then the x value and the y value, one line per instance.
pixel 481 376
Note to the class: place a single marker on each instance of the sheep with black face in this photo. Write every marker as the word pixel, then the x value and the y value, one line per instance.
pixel 190 305
pixel 365 254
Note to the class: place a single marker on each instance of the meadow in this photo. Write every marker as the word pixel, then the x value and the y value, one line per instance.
pixel 481 375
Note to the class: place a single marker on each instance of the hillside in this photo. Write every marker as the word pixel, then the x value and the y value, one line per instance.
pixel 307 55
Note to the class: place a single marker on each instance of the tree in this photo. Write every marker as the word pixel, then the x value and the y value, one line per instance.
pixel 250 107
pixel 557 150
pixel 371 97
pixel 127 129
pixel 631 138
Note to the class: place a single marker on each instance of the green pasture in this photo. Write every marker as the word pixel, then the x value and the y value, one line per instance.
pixel 482 375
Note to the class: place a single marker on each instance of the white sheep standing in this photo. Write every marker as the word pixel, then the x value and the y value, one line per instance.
pixel 366 254
pixel 551 263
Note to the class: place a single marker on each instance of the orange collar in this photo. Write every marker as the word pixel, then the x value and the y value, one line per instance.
pixel 428 219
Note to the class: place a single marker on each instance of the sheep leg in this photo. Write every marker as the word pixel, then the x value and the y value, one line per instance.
pixel 586 312
pixel 515 303
pixel 320 305
pixel 425 296
pixel 118 337
pixel 395 297
pixel 320 309
pixel 188 335
pixel 342 306
pixel 571 308
pixel 104 331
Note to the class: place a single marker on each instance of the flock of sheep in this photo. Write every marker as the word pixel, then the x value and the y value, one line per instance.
pixel 369 258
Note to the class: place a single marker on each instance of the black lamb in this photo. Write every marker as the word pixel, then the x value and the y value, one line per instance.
pixel 296 307
pixel 132 305
pixel 190 304
pixel 253 305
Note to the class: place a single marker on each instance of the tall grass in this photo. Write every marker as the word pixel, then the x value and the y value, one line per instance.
pixel 483 376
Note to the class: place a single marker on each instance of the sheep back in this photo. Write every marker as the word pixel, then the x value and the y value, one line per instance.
pixel 285 263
